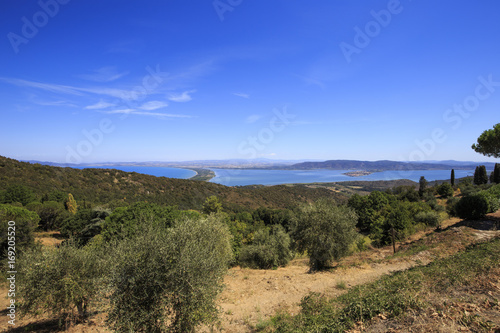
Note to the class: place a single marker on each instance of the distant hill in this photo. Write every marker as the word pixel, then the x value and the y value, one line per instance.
pixel 101 186
pixel 270 164
pixel 376 165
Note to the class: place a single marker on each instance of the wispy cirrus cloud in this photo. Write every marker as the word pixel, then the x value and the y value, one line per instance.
pixel 100 105
pixel 243 95
pixel 72 90
pixel 153 105
pixel 104 74
pixel 56 88
pixel 182 97
pixel 146 113
pixel 55 103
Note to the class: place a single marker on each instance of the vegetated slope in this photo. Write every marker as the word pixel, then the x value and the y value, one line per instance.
pixel 372 166
pixel 107 185
pixel 253 296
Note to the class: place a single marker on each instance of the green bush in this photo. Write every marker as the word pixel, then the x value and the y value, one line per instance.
pixel 495 191
pixel 18 193
pixel 168 279
pixel 451 204
pixel 428 196
pixel 25 224
pixel 125 222
pixel 445 190
pixel 270 249
pixel 62 281
pixel 370 208
pixel 84 225
pixel 430 218
pixel 493 201
pixel 52 214
pixel 325 232
pixel 472 207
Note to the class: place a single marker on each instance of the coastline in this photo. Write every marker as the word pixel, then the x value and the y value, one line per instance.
pixel 359 173
pixel 203 175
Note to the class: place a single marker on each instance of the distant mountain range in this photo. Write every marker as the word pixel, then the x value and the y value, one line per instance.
pixel 269 164
pixel 386 165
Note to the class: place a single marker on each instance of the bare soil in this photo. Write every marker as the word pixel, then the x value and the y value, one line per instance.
pixel 252 295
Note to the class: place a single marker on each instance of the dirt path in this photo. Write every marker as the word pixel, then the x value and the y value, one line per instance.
pixel 255 295
pixel 251 295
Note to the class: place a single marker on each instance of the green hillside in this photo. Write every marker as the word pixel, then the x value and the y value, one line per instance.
pixel 105 186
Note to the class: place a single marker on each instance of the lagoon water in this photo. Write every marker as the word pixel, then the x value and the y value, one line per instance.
pixel 240 177
pixel 153 171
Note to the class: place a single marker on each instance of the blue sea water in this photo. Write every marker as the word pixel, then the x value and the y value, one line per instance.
pixel 240 177
pixel 153 171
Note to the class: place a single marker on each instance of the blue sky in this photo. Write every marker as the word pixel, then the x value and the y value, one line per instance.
pixel 88 81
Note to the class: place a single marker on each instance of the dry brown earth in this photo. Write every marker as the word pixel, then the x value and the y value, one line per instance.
pixel 252 295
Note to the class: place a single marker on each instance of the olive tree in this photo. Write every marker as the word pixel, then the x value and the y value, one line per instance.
pixel 62 281
pixel 324 231
pixel 270 249
pixel 167 279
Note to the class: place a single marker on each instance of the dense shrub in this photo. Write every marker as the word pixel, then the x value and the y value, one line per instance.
pixel 125 222
pixel 495 191
pixel 168 279
pixel 212 205
pixel 25 224
pixel 370 208
pixel 430 218
pixel 472 207
pixel 493 201
pixel 52 214
pixel 407 193
pixel 60 281
pixel 269 249
pixel 325 231
pixel 18 193
pixel 269 216
pixel 428 196
pixel 445 190
pixel 451 204
pixel 84 225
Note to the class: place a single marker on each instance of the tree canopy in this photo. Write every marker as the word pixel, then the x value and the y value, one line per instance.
pixel 325 231
pixel 488 142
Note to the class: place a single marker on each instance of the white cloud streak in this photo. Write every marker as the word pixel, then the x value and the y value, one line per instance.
pixel 100 105
pixel 145 113
pixel 242 95
pixel 104 74
pixel 153 105
pixel 183 97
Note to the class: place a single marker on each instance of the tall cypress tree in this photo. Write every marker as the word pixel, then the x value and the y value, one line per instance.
pixel 476 176
pixel 422 185
pixel 496 174
pixel 483 175
pixel 452 180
